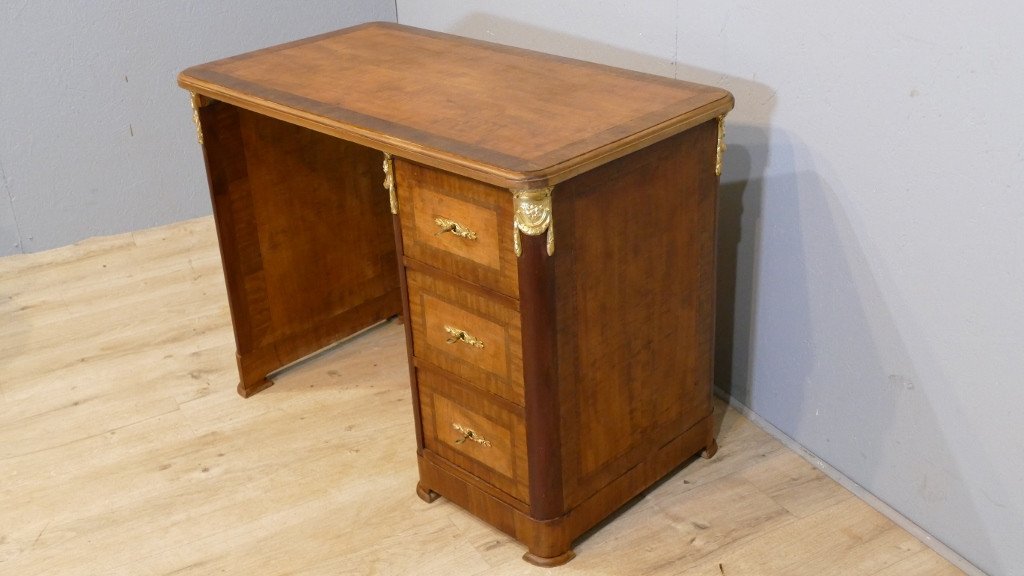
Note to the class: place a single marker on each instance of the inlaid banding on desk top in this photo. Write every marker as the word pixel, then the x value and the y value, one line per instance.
pixel 512 109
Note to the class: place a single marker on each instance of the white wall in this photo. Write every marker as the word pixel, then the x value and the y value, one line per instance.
pixel 871 246
pixel 95 136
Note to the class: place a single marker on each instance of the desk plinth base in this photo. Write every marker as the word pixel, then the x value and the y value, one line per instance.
pixel 549 542
pixel 259 386
pixel 549 562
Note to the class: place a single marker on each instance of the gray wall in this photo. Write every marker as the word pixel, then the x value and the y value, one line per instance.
pixel 95 137
pixel 871 236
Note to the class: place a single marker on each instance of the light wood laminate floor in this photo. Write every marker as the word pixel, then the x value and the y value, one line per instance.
pixel 124 449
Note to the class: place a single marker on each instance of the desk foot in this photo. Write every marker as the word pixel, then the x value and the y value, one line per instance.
pixel 710 450
pixel 426 494
pixel 549 562
pixel 246 392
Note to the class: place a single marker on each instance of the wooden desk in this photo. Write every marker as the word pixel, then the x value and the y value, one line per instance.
pixel 553 224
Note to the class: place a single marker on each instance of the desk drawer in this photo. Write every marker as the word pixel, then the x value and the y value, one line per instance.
pixel 474 431
pixel 468 332
pixel 458 225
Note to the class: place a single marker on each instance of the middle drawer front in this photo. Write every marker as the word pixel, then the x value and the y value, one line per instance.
pixel 468 332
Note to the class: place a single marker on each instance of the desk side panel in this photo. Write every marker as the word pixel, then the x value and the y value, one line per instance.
pixel 305 234
pixel 634 276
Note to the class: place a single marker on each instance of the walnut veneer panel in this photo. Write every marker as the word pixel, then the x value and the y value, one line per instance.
pixel 282 196
pixel 635 307
pixel 508 116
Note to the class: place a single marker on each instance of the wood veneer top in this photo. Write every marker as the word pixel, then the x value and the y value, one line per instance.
pixel 508 116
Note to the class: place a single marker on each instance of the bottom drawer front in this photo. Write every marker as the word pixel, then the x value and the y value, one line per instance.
pixel 483 435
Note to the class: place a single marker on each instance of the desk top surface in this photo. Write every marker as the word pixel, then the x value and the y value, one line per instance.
pixel 511 117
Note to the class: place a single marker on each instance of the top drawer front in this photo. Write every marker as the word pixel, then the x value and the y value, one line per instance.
pixel 458 225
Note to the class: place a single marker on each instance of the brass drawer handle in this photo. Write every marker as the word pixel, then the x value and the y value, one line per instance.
pixel 469 434
pixel 454 227
pixel 460 335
